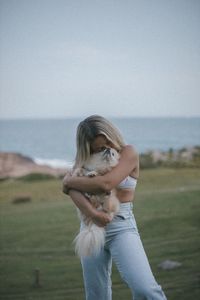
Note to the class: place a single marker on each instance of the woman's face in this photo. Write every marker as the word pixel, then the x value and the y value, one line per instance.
pixel 100 143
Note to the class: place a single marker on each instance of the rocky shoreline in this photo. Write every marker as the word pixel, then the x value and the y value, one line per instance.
pixel 184 157
pixel 14 165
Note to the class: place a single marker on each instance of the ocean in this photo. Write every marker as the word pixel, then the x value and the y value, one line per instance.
pixel 52 141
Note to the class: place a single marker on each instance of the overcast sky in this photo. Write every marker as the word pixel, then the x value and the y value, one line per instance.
pixel 66 58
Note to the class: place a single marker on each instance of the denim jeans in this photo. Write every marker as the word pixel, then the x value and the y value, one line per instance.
pixel 123 245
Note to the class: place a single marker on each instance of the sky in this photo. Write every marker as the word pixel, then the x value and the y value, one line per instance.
pixel 121 58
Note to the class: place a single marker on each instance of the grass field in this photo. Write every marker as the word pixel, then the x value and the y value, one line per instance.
pixel 38 235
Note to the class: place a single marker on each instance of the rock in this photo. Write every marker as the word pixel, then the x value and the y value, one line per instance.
pixel 21 199
pixel 17 165
pixel 169 264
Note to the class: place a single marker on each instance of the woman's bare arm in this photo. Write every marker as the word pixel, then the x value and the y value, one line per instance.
pixel 99 218
pixel 128 161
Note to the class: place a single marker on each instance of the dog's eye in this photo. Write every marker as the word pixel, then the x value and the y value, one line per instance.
pixel 103 148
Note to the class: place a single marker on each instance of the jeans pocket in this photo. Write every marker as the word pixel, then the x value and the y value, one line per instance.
pixel 123 215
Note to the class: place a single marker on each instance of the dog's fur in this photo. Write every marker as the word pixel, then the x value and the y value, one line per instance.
pixel 91 238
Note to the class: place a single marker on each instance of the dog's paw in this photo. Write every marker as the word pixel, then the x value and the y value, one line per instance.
pixel 92 174
pixel 111 214
pixel 87 195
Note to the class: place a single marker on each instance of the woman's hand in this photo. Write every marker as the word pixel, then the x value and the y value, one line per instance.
pixel 66 183
pixel 101 218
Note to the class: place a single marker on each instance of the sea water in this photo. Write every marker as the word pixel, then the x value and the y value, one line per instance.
pixel 53 141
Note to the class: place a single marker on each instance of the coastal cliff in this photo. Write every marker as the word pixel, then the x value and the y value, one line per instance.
pixel 17 165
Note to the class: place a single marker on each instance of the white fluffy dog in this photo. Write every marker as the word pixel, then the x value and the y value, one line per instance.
pixel 91 238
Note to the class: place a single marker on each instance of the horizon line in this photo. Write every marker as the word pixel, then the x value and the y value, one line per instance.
pixel 85 116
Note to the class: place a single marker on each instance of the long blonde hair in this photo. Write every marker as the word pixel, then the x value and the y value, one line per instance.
pixel 88 130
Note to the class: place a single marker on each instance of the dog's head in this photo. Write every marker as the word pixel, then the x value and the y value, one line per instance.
pixel 103 161
pixel 110 156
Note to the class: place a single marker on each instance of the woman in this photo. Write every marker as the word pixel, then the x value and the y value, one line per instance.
pixel 123 244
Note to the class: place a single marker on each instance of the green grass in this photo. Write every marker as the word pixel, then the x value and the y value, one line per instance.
pixel 39 234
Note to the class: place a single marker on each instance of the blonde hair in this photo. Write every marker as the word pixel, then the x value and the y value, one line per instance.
pixel 88 130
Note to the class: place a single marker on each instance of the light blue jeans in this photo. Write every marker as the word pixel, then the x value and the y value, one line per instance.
pixel 123 246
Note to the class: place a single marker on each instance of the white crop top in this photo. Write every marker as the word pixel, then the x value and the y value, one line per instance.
pixel 128 183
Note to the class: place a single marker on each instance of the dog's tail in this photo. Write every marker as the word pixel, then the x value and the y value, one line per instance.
pixel 90 240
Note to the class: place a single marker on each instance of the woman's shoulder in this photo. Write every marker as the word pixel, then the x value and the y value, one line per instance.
pixel 130 150
pixel 131 154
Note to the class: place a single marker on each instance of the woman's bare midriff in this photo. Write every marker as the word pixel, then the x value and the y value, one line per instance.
pixel 124 195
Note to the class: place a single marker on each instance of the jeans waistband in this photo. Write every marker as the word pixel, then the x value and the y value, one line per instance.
pixel 126 205
pixel 125 208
